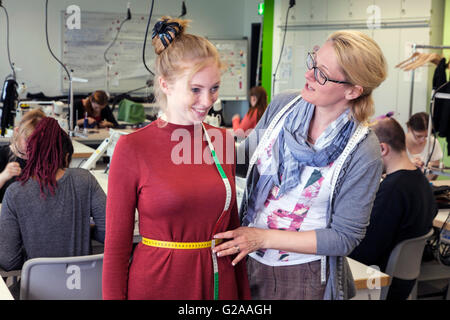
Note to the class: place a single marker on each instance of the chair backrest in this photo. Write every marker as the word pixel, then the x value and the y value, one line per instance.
pixel 67 278
pixel 405 260
pixel 131 112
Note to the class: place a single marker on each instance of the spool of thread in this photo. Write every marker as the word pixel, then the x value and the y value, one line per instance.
pixel 85 124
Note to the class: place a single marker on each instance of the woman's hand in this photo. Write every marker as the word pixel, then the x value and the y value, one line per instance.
pixel 236 116
pixel 244 240
pixel 105 124
pixel 418 163
pixel 12 169
pixel 91 120
pixel 80 122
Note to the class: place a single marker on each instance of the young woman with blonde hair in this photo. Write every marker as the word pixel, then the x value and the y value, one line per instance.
pixel 13 157
pixel 313 177
pixel 180 204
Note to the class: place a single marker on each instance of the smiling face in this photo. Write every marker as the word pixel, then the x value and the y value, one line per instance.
pixel 418 137
pixel 189 100
pixel 330 93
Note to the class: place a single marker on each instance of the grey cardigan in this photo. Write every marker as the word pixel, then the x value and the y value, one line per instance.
pixel 351 203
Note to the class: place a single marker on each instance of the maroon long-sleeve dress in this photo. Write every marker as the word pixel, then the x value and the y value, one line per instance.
pixel 179 194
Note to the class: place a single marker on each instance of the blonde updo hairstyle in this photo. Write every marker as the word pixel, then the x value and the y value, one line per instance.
pixel 181 52
pixel 25 128
pixel 363 64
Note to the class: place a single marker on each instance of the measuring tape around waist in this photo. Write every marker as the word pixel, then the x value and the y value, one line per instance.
pixel 178 245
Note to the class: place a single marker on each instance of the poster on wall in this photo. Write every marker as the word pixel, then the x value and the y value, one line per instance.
pixel 234 82
pixel 121 68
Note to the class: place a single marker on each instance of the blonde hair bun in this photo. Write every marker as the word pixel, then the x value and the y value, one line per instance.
pixel 165 32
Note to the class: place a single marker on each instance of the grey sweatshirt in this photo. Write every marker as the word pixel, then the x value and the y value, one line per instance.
pixel 349 211
pixel 58 226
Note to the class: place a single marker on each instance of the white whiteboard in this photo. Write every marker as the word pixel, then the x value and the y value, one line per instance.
pixel 234 81
pixel 83 50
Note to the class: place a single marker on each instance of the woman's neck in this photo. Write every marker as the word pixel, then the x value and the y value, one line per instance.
pixel 321 119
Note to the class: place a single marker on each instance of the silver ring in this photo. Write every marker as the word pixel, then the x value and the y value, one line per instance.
pixel 237 248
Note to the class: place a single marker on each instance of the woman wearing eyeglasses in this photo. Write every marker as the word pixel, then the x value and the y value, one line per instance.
pixel 416 143
pixel 313 173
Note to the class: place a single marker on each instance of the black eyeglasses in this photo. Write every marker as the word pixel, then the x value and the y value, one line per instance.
pixel 320 77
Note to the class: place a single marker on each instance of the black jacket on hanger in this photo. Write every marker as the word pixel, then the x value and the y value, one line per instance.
pixel 441 112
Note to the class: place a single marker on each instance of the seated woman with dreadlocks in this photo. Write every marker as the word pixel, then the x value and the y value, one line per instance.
pixel 46 212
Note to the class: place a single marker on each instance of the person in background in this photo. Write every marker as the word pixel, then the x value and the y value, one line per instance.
pixel 181 201
pixel 404 207
pixel 13 156
pixel 416 143
pixel 258 104
pixel 314 170
pixel 46 213
pixel 99 114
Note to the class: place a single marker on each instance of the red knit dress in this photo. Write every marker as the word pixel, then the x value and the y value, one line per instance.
pixel 168 174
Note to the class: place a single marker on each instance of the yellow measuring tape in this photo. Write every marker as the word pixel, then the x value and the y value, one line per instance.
pixel 178 245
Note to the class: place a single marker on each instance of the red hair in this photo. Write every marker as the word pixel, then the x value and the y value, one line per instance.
pixel 47 149
pixel 261 102
pixel 99 97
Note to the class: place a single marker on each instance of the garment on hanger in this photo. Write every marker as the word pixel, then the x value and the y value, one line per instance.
pixel 441 112
pixel 408 60
pixel 419 59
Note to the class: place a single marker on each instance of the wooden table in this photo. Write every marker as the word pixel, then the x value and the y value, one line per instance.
pixel 439 183
pixel 96 136
pixel 81 152
pixel 442 215
pixel 4 291
pixel 440 219
pixel 368 280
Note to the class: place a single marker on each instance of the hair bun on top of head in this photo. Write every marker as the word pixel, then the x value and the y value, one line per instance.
pixel 165 31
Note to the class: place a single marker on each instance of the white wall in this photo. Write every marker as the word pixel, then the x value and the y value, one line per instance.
pixel 40 72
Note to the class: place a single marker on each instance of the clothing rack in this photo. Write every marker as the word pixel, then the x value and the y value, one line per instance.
pixel 411 94
pixel 433 97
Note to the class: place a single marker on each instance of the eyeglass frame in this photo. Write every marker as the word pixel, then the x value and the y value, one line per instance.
pixel 310 55
pixel 419 137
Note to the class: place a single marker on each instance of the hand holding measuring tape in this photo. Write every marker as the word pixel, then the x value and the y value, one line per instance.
pixel 244 240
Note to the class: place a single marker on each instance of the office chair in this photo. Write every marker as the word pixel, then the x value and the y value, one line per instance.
pixel 67 278
pixel 405 260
